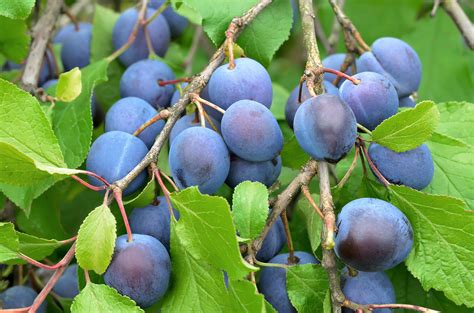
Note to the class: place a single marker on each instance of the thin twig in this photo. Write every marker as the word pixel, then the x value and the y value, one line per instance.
pixel 118 197
pixel 350 170
pixel 333 38
pixel 307 194
pixel 461 20
pixel 163 114
pixel 196 98
pixel 289 240
pixel 200 110
pixel 188 61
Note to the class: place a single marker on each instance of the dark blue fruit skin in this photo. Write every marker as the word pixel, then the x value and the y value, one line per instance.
pixel 153 220
pixel 248 80
pixel 20 297
pixel 187 121
pixel 139 269
pixel 272 283
pixel 373 100
pixel 406 102
pixel 292 103
pixel 412 168
pixel 128 114
pixel 368 288
pixel 199 157
pixel 396 60
pixel 325 128
pixel 251 131
pixel 266 172
pixel 67 285
pixel 113 155
pixel 273 242
pixel 159 34
pixel 373 235
pixel 176 22
pixel 335 61
pixel 141 80
pixel 76 45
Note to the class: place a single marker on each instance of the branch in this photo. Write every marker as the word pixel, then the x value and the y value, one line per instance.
pixel 333 39
pixel 237 25
pixel 461 20
pixel 41 34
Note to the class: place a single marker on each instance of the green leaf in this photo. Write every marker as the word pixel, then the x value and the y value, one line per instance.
pixel 9 243
pixel 245 297
pixel 409 290
pixel 256 40
pixel 73 121
pixel 35 247
pixel 443 243
pixel 103 25
pixel 206 230
pixel 292 155
pixel 145 197
pixel 96 240
pixel 457 120
pixel 14 39
pixel 307 287
pixel 409 128
pixel 250 208
pixel 195 285
pixel 18 9
pixel 327 307
pixel 280 95
pixel 313 221
pixel 453 161
pixel 69 85
pixel 102 298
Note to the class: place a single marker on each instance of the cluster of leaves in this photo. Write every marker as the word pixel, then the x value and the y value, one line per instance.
pixel 41 145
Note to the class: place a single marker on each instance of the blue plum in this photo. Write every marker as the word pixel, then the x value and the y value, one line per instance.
pixel 187 121
pixel 248 80
pixel 128 114
pixel 251 131
pixel 176 22
pixel 292 103
pixel 406 102
pixel 265 172
pixel 113 155
pixel 153 220
pixel 199 157
pixel 325 128
pixel 67 285
pixel 159 34
pixel 273 242
pixel 139 269
pixel 335 61
pixel 177 94
pixel 272 283
pixel 397 61
pixel 20 297
pixel 373 100
pixel 76 45
pixel 413 168
pixel 141 80
pixel 368 288
pixel 373 235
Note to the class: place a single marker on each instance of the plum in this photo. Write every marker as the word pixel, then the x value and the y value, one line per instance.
pixel 67 285
pixel 20 297
pixel 265 172
pixel 407 102
pixel 373 235
pixel 76 45
pixel 189 120
pixel 273 242
pixel 176 22
pixel 335 61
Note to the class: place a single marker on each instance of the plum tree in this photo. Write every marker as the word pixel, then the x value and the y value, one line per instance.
pixel 153 220
pixel 251 131
pixel 199 157
pixel 176 22
pixel 187 121
pixel 325 127
pixel 20 297
pixel 397 61
pixel 139 269
pixel 158 29
pixel 413 168
pixel 248 80
pixel 76 45
pixel 67 285
pixel 273 242
pixel 272 282
pixel 373 100
pixel 368 288
pixel 113 155
pixel 128 114
pixel 292 103
pixel 373 235
pixel 265 172
pixel 407 102
pixel 141 80
pixel 335 61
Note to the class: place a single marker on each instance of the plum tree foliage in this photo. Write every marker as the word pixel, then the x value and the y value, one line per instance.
pixel 142 172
